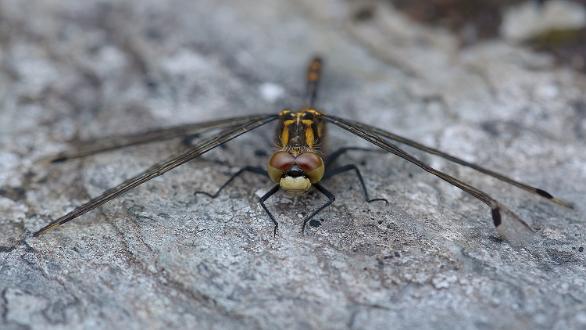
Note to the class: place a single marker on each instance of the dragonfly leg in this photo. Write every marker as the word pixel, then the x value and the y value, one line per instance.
pixel 339 152
pixel 250 169
pixel 266 196
pixel 353 167
pixel 331 199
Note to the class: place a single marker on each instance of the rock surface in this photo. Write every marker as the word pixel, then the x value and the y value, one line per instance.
pixel 160 257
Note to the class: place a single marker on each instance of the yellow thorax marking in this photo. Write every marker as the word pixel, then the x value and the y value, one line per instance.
pixel 285 131
pixel 309 137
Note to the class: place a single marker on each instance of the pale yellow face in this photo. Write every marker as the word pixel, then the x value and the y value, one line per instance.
pixel 298 184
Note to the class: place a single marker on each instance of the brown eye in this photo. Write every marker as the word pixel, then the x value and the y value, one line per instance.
pixel 312 164
pixel 279 163
pixel 282 160
pixel 308 161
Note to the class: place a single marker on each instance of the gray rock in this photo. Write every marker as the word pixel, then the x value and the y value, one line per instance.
pixel 160 257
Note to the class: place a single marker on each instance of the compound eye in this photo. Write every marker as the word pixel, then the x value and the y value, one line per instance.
pixel 282 160
pixel 279 163
pixel 312 164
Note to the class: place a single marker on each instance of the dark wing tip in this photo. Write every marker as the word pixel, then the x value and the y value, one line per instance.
pixel 512 228
pixel 58 159
pixel 47 160
pixel 556 200
pixel 543 193
pixel 496 216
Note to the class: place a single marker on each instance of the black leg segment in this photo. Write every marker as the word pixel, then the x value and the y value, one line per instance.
pixel 339 152
pixel 331 199
pixel 351 167
pixel 266 196
pixel 250 169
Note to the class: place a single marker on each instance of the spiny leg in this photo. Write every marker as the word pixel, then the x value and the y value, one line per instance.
pixel 251 169
pixel 351 167
pixel 331 199
pixel 313 78
pixel 266 196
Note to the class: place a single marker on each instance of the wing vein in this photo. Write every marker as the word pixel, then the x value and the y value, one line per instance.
pixel 91 147
pixel 439 153
pixel 160 168
pixel 372 136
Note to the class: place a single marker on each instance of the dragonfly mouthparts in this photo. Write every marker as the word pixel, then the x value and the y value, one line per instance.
pixel 295 184
pixel 295 171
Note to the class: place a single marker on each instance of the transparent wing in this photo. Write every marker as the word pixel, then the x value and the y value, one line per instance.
pixel 94 146
pixel 506 222
pixel 161 168
pixel 499 176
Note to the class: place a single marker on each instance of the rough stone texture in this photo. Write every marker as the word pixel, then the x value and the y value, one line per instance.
pixel 161 257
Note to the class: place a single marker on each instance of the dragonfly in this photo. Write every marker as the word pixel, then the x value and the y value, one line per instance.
pixel 298 164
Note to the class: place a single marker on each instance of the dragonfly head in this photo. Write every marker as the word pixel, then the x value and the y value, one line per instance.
pixel 296 173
